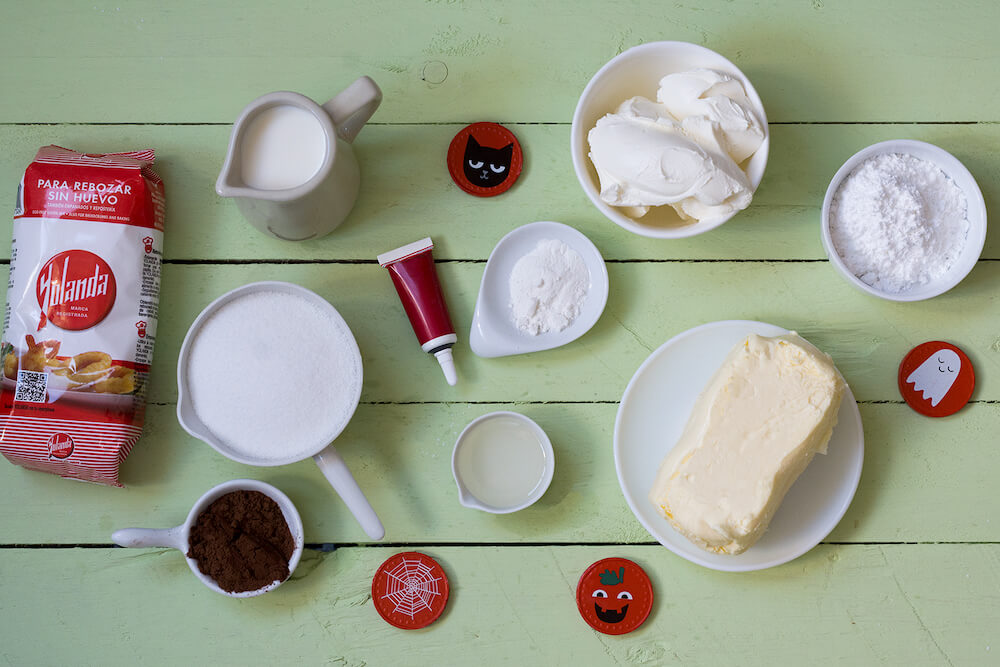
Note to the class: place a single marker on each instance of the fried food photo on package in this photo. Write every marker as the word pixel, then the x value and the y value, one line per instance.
pixel 87 371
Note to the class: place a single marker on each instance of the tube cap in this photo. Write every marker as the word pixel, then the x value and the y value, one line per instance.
pixel 447 365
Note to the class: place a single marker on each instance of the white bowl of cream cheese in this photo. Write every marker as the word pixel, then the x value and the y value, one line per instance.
pixel 638 72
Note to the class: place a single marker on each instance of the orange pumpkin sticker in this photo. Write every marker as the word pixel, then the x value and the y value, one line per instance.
pixel 614 596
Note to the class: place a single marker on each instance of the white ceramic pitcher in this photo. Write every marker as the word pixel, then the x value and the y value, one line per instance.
pixel 317 206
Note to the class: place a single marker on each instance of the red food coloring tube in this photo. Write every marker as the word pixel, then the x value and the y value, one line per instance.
pixel 411 268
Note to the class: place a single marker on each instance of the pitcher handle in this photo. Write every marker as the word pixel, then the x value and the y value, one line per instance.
pixel 336 472
pixel 352 108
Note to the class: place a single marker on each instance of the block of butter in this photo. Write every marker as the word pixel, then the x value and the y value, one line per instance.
pixel 769 408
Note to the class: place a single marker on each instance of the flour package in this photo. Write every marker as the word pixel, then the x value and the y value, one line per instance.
pixel 81 312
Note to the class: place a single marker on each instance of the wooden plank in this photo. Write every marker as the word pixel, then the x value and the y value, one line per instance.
pixel 866 337
pixel 845 605
pixel 174 75
pixel 923 481
pixel 468 61
pixel 407 194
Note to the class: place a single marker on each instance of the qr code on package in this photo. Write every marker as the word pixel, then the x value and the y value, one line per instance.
pixel 31 386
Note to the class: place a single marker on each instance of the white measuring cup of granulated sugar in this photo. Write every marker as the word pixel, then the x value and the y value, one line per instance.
pixel 284 451
pixel 290 166
pixel 177 537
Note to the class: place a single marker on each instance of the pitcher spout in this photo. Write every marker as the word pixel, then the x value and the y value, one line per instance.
pixel 229 182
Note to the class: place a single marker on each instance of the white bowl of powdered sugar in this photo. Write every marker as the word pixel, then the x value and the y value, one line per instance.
pixel 903 220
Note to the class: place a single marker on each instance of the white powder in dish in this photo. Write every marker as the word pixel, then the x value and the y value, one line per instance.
pixel 898 222
pixel 272 375
pixel 548 287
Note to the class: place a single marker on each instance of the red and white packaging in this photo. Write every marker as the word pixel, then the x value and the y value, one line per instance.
pixel 81 312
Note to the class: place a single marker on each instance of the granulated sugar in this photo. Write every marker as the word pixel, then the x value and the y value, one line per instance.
pixel 898 222
pixel 548 287
pixel 273 375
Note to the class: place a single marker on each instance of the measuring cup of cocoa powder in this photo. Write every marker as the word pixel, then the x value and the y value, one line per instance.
pixel 234 540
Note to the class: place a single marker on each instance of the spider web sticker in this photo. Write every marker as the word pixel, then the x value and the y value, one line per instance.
pixel 410 590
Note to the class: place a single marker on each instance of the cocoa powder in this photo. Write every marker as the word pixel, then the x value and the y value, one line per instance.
pixel 242 541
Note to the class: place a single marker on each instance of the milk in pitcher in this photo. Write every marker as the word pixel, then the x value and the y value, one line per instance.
pixel 283 147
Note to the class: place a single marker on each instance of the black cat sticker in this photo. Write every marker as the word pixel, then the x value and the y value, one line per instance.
pixel 485 159
pixel 484 166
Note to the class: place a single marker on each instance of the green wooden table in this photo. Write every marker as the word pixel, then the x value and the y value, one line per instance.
pixel 910 576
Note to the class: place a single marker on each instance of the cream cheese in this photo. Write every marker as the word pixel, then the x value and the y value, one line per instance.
pixel 643 162
pixel 715 99
pixel 682 150
pixel 766 412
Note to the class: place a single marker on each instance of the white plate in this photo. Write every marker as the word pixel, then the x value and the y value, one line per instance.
pixel 494 333
pixel 653 412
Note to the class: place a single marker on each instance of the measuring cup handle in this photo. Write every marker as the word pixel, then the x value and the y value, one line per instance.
pixel 353 106
pixel 336 472
pixel 149 537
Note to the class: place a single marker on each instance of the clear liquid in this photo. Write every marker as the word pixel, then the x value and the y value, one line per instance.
pixel 501 461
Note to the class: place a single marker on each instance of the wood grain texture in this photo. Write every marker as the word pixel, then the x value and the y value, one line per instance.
pixel 407 194
pixel 838 604
pixel 923 481
pixel 910 576
pixel 455 61
pixel 647 305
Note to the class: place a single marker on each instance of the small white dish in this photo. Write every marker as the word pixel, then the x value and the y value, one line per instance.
pixel 494 333
pixel 976 213
pixel 177 538
pixel 638 71
pixel 653 412
pixel 493 450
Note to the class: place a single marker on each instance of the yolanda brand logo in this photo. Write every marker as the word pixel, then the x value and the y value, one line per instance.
pixel 147 244
pixel 60 446
pixel 141 326
pixel 75 290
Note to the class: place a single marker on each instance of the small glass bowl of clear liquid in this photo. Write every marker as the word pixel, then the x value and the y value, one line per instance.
pixel 502 462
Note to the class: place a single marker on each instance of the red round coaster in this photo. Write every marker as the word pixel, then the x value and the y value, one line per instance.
pixel 614 596
pixel 936 379
pixel 485 159
pixel 410 590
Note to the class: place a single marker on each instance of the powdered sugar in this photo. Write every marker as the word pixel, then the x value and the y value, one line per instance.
pixel 548 287
pixel 273 376
pixel 898 222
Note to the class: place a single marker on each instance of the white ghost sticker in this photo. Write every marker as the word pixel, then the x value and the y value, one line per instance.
pixel 936 375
